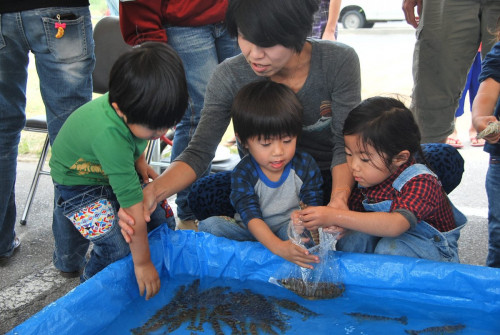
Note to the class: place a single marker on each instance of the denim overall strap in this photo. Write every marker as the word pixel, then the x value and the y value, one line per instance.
pixel 412 171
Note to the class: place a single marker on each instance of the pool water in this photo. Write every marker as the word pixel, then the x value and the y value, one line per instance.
pixel 268 307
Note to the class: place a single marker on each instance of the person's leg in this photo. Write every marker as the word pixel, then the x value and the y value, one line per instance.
pixel 493 191
pixel 443 54
pixel 474 73
pixel 355 241
pixel 64 67
pixel 224 226
pixel 13 78
pixel 107 249
pixel 70 247
pixel 196 48
pixel 226 45
pixel 422 241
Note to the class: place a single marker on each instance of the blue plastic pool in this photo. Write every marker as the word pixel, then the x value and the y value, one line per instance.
pixel 383 294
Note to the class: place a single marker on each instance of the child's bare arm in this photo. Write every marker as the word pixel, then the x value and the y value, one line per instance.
pixel 285 249
pixel 145 272
pixel 373 223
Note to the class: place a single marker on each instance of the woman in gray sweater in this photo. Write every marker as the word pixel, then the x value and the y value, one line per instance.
pixel 325 75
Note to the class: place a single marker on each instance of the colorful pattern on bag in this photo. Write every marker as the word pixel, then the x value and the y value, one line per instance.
pixel 95 219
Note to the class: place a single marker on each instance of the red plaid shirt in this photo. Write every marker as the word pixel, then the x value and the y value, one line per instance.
pixel 423 195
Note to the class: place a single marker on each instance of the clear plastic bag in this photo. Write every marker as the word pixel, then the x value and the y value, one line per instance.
pixel 322 282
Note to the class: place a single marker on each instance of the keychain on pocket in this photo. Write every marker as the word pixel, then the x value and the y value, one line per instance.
pixel 60 27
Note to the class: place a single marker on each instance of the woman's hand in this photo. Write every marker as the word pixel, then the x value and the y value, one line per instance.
pixel 126 222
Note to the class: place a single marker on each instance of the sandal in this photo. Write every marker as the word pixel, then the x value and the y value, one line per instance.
pixel 476 142
pixel 454 142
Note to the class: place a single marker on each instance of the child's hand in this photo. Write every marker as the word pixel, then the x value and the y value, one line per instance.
pixel 144 170
pixel 147 279
pixel 482 122
pixel 297 223
pixel 321 216
pixel 316 216
pixel 296 254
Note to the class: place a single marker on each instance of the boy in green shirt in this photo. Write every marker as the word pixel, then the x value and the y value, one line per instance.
pixel 98 160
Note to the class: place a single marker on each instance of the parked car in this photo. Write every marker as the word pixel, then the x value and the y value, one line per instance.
pixel 364 13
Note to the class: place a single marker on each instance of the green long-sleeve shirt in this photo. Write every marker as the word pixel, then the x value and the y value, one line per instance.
pixel 95 147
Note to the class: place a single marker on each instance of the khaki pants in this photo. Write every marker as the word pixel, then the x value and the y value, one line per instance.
pixel 448 37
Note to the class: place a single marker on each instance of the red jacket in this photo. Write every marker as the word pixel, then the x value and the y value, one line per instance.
pixel 144 20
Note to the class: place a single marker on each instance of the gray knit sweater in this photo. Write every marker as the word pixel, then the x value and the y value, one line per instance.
pixel 331 90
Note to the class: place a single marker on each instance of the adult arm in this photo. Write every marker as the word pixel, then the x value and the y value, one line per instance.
pixel 409 10
pixel 175 178
pixel 342 184
pixel 141 20
pixel 331 23
pixel 345 96
pixel 215 118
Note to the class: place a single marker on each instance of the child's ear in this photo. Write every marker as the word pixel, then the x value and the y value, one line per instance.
pixel 117 109
pixel 239 141
pixel 401 158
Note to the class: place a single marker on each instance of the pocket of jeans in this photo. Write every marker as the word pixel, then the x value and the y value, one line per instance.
pixel 66 39
pixel 91 214
pixel 2 41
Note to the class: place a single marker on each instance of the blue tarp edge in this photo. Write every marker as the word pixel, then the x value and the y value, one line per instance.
pixel 177 253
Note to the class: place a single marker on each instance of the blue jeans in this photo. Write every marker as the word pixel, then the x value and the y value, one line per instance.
pixel 64 67
pixel 224 226
pixel 71 247
pixel 422 241
pixel 201 50
pixel 492 190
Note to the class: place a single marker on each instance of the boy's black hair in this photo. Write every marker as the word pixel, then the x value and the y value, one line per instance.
pixel 149 85
pixel 387 125
pixel 266 109
pixel 267 23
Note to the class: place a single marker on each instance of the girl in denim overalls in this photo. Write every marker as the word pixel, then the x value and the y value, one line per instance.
pixel 398 206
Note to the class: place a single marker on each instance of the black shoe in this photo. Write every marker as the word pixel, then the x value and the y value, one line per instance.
pixel 15 244
pixel 70 275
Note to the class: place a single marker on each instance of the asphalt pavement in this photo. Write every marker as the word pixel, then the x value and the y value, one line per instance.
pixel 29 281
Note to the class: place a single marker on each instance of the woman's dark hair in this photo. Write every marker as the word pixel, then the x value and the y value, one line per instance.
pixel 387 125
pixel 267 23
pixel 149 85
pixel 266 109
